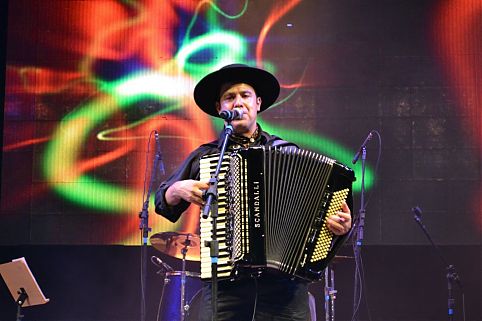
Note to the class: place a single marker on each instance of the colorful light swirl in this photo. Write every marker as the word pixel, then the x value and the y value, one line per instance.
pixel 127 54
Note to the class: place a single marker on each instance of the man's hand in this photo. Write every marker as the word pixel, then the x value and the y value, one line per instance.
pixel 340 222
pixel 189 190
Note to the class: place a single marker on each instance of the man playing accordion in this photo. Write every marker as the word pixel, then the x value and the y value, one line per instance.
pixel 269 295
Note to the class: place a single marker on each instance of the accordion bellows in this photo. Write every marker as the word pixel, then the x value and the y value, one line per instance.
pixel 272 207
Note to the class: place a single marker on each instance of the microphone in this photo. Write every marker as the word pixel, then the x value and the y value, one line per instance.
pixel 157 261
pixel 229 115
pixel 363 145
pixel 158 153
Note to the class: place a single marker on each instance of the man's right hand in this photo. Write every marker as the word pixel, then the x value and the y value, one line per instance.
pixel 189 190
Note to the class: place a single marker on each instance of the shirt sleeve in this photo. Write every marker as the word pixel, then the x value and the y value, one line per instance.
pixel 189 169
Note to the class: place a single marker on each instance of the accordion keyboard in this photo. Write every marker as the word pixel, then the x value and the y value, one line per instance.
pixel 224 266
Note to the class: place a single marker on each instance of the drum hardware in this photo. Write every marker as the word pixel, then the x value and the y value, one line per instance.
pixel 164 267
pixel 185 246
pixel 329 288
pixel 184 307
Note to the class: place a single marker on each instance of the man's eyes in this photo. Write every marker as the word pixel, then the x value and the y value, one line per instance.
pixel 247 95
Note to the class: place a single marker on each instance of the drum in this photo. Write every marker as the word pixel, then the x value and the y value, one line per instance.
pixel 170 305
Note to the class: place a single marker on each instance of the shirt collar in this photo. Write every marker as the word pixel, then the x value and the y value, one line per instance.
pixel 260 139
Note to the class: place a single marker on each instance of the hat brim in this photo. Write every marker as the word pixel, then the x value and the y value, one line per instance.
pixel 207 91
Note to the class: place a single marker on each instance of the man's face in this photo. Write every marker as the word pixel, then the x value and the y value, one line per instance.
pixel 244 97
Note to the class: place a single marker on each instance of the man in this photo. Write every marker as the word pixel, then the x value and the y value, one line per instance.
pixel 270 296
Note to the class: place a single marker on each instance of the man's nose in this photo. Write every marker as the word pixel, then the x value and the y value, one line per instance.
pixel 237 101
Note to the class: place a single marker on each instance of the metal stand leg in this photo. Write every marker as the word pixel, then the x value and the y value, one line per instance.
pixel 184 305
pixel 19 313
pixel 330 294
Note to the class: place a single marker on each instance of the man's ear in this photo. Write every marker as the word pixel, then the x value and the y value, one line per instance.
pixel 218 107
pixel 258 101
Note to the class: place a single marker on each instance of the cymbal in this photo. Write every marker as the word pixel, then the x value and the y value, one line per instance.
pixel 173 244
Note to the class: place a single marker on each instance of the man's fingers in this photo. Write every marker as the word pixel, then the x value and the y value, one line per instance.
pixel 345 208
pixel 202 185
pixel 335 226
pixel 340 222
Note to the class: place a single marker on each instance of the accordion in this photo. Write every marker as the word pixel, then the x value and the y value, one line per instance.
pixel 272 207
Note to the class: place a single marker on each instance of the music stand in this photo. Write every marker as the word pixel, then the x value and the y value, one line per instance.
pixel 22 284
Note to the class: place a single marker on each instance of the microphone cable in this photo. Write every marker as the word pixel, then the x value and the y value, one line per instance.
pixel 359 277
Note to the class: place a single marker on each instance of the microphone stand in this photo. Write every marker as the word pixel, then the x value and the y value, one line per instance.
pixel 360 225
pixel 145 229
pixel 359 229
pixel 451 272
pixel 211 196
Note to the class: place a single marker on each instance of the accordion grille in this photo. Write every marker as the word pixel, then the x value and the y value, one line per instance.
pixel 296 180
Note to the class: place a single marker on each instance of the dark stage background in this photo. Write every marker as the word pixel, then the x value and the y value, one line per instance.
pixel 86 83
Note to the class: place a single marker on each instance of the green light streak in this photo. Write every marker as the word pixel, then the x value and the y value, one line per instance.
pixel 60 163
pixel 229 46
pixel 61 155
pixel 63 152
pixel 211 18
pixel 103 135
pixel 153 84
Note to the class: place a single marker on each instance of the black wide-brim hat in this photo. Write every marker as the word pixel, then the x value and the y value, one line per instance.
pixel 208 90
